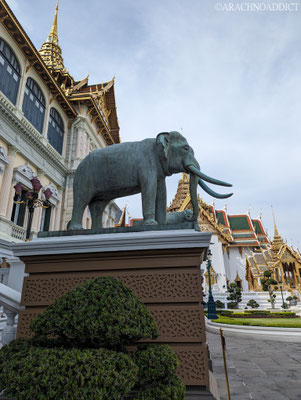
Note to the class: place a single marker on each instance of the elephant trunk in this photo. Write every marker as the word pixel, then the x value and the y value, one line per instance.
pixel 193 184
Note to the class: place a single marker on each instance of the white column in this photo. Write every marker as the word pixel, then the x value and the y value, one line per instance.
pixel 36 221
pixel 10 329
pixel 7 179
pixel 57 222
pixel 78 142
pixel 16 273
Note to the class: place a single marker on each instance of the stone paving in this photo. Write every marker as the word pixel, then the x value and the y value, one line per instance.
pixel 258 369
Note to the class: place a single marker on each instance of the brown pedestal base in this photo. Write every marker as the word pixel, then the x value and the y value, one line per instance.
pixel 163 268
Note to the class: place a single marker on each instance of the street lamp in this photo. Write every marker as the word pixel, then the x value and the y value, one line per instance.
pixel 32 200
pixel 283 304
pixel 211 302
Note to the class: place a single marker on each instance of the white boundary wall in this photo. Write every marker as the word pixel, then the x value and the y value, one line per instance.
pixel 260 297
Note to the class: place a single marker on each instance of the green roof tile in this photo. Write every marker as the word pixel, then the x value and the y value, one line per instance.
pixel 239 223
pixel 220 218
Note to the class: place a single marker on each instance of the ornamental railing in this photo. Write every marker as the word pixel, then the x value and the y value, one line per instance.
pixel 18 232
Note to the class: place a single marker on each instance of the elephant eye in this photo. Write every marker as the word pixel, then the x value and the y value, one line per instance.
pixel 186 148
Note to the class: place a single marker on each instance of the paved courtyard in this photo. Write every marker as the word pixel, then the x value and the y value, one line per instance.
pixel 258 369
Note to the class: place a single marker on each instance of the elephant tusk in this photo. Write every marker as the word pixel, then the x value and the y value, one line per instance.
pixel 211 192
pixel 206 178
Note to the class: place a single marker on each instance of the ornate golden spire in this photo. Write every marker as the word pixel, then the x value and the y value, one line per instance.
pixel 53 31
pixel 277 241
pixel 51 53
pixel 182 192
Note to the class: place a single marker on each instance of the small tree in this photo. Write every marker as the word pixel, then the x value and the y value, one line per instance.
pixel 252 303
pixel 219 304
pixel 234 296
pixel 289 299
pixel 269 285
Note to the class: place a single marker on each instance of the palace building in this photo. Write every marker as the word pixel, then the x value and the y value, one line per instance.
pixel 282 260
pixel 241 250
pixel 48 123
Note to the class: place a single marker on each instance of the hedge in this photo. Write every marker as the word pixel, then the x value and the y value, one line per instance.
pixel 46 373
pixel 155 362
pixel 102 312
pixel 65 360
pixel 172 389
pixel 257 312
pixel 224 312
pixel 269 315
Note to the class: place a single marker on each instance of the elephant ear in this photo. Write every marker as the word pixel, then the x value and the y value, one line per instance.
pixel 162 141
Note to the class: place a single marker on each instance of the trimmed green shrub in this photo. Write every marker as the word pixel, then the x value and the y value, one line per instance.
pixel 283 314
pixel 225 312
pixel 232 305
pixel 45 373
pixel 172 389
pixel 219 304
pixel 155 362
pixel 100 312
pixel 252 303
pixel 258 312
pixel 238 315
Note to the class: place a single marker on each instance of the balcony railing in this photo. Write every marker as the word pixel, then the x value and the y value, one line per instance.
pixel 9 229
pixel 18 232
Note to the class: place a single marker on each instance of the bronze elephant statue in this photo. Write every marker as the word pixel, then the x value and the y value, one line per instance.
pixel 137 167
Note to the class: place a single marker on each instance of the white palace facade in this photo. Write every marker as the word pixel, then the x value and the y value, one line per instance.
pixel 48 124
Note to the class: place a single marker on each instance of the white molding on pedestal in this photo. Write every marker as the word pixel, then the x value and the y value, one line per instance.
pixel 5 249
pixel 146 240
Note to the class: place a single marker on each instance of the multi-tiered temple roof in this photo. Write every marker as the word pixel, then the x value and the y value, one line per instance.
pixel 238 230
pixel 98 98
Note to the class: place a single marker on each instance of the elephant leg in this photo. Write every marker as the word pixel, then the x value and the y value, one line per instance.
pixel 79 206
pixel 161 202
pixel 97 208
pixel 148 193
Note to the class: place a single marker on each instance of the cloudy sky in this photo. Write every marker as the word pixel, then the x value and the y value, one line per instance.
pixel 229 80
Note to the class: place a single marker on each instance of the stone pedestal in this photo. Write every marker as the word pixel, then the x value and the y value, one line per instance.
pixel 162 267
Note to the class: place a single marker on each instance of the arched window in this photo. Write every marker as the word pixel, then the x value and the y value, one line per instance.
pixel 34 104
pixel 56 130
pixel 19 210
pixel 9 72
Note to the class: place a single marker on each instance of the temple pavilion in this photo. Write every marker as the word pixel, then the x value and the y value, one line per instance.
pixel 241 250
pixel 282 260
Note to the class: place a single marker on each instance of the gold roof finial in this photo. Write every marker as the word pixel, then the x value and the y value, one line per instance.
pixel 51 53
pixel 277 241
pixel 53 37
pixel 275 226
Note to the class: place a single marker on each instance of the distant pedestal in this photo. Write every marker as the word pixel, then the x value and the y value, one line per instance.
pixel 162 267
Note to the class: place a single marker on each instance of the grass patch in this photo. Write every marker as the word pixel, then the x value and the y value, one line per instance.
pixel 275 322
